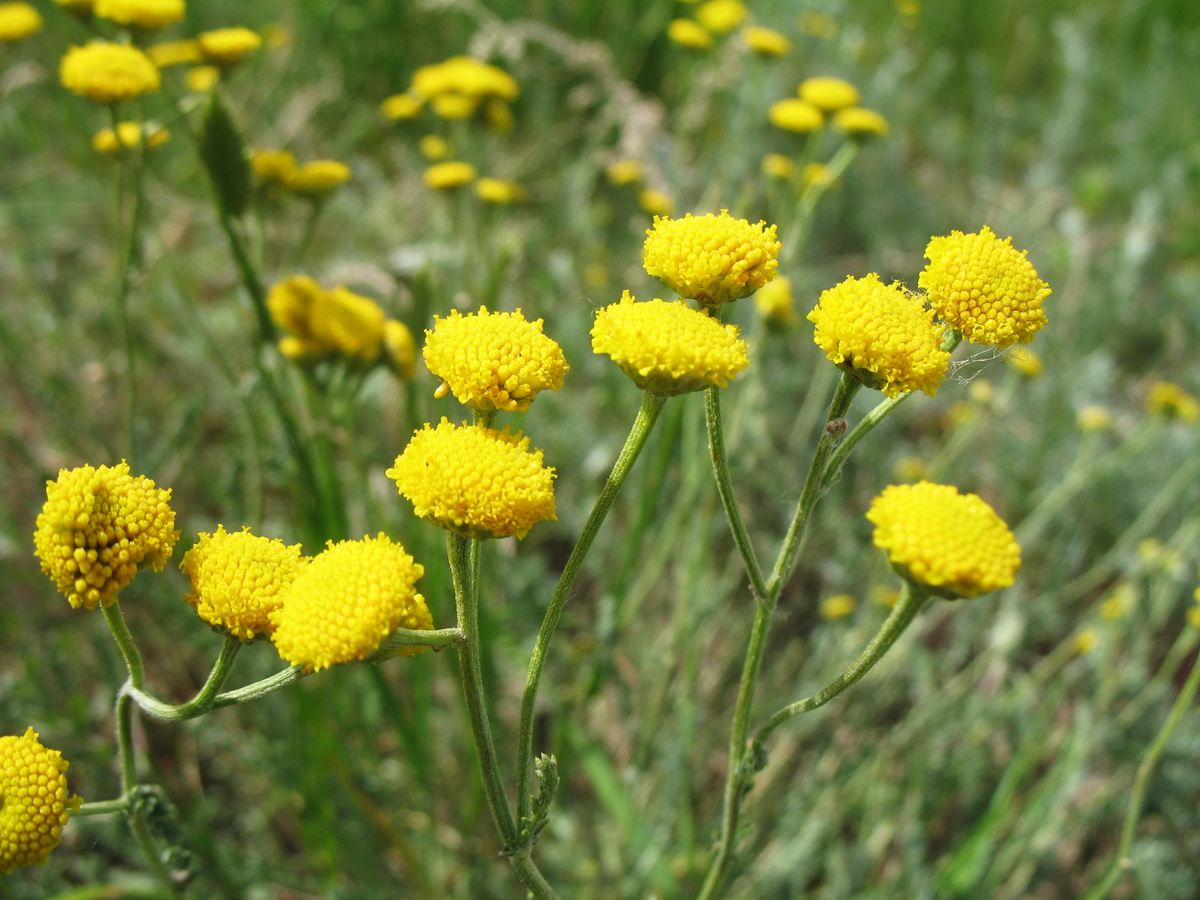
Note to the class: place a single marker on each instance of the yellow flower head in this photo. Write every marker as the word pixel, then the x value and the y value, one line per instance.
pixel 453 105
pixel 1170 401
pixel 766 41
pixel 624 171
pixel 127 136
pixel 399 349
pixel 1025 361
pixel 143 14
pixel 401 106
pixel 949 544
pixel 499 192
pixel 668 348
pixel 346 601
pixel 18 21
pixel 274 165
pixel 721 16
pixel 689 33
pixel 493 360
pixel 774 302
pixel 291 303
pixel 795 115
pixel 226 46
pixel 776 165
pixel 434 147
pixel 711 258
pixel 881 335
pixel 1094 417
pixel 655 202
pixel 201 79
pixel 174 53
pixel 837 607
pixel 318 177
pixel 828 94
pixel 108 72
pixel 984 288
pixel 446 175
pixel 239 579
pixel 97 527
pixel 856 122
pixel 466 76
pixel 475 481
pixel 34 801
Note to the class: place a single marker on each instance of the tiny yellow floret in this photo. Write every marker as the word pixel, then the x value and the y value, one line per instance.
pixel 34 801
pixel 107 72
pixel 142 14
pixel 18 21
pixel 475 481
pixel 795 115
pixel 948 544
pixel 984 288
pixel 828 94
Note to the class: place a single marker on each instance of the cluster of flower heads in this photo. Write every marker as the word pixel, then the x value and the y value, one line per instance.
pixel 824 97
pixel 129 136
pixel 314 180
pixel 629 172
pixel 18 21
pixel 338 323
pixel 714 19
pixel 455 89
pixel 34 801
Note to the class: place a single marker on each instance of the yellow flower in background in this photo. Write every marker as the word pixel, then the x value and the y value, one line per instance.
pixel 291 302
pixel 828 94
pixel 984 288
pixel 910 468
pixel 453 106
pixel 498 116
pixel 98 527
pixel 766 41
pixel 885 596
pixel 776 165
pixel 434 147
pixel 1119 603
pixel 225 47
pixel 201 79
pixel 499 192
pixel 466 76
pixel 34 801
pixel 143 14
pixel 346 601
pixel 668 348
pixel 711 258
pixel 1094 417
pixel 127 136
pixel 401 106
pixel 881 335
pixel 624 171
pixel 108 73
pixel 318 178
pixel 445 176
pixel 689 33
pixel 1193 616
pixel 837 607
pixel 239 578
pixel 273 165
pixel 795 115
pixel 174 53
pixel 655 202
pixel 775 303
pixel 1170 401
pixel 18 21
pixel 493 360
pixel 399 349
pixel 816 173
pixel 860 123
pixel 949 544
pixel 1085 641
pixel 349 323
pixel 475 481
pixel 721 16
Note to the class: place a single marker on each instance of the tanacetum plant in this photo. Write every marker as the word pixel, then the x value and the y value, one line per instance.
pixel 712 259
pixel 34 801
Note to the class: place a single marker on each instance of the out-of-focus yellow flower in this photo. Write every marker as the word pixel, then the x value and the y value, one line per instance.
pixel 273 165
pixel 775 303
pixel 1169 400
pixel 475 481
pixel 201 79
pixel 655 202
pixel 712 259
pixel 881 335
pixel 500 192
pixel 466 76
pixel 816 173
pixel 689 33
pixel 276 35
pixel 127 136
pixel 1094 417
pixel 1025 361
pixel 226 46
pixel 818 24
pixel 349 323
pixel 346 601
pixel 1085 641
pixel 795 115
pixel 493 360
pixel 1119 603
pixel 1193 616
pixel 885 596
pixel 107 72
pixel 910 12
pixel 766 41
pixel 948 544
pixel 318 178
pixel 668 348
pixel 982 392
pixel 959 414
pixel 624 171
pixel 721 16
pixel 143 14
pixel 445 176
pixel 291 303
pixel 859 123
pixel 401 106
pixel 98 527
pixel 910 468
pixel 34 801
pixel 837 607
pixel 453 106
pixel 984 288
pixel 399 349
pixel 174 53
pixel 434 147
pixel 776 165
pixel 238 579
pixel 828 94
pixel 18 21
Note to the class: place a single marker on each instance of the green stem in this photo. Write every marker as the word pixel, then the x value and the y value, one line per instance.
pixel 647 416
pixel 205 697
pixel 127 265
pixel 125 642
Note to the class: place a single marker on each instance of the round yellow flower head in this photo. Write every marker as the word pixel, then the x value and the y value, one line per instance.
pixel 174 53
pixel 493 360
pixel 1025 361
pixel 711 258
pixel 776 165
pixel 466 76
pixel 318 178
pixel 108 72
pixel 1170 401
pixel 142 14
pixel 346 601
pixel 127 136
pixel 434 147
pixel 984 287
pixel 399 349
pixel 859 123
pixel 34 801
pixel 239 579
pixel 775 303
pixel 201 79
pixel 689 33
pixel 766 41
pixel 291 302
pixel 948 544
pixel 97 527
pixel 348 323
pixel 226 46
pixel 1094 417
pixel 655 202
pixel 454 105
pixel 475 481
pixel 499 192
pixel 818 173
pixel 837 607
pixel 444 176
pixel 721 16
pixel 624 171
pixel 795 115
pixel 401 106
pixel 18 21
pixel 828 94
pixel 881 335
pixel 668 348
pixel 274 165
